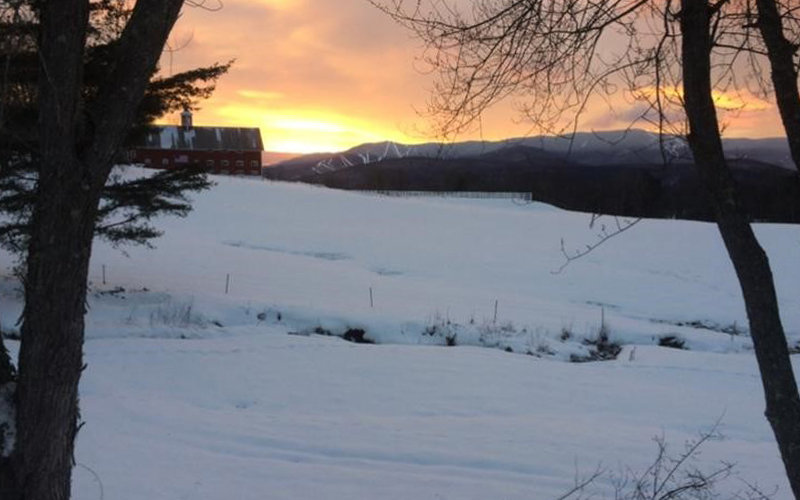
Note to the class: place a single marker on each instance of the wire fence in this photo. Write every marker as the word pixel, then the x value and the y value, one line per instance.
pixel 500 195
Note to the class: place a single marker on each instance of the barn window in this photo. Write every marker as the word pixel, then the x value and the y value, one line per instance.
pixel 209 163
pixel 148 161
pixel 165 161
pixel 225 163
pixel 254 163
pixel 240 163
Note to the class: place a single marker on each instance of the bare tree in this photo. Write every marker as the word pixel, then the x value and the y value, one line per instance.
pixel 668 477
pixel 77 140
pixel 773 22
pixel 670 59
pixel 748 258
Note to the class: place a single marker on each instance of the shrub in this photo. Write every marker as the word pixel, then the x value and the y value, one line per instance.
pixel 443 329
pixel 508 327
pixel 668 477
pixel 601 348
pixel 492 334
pixel 672 341
pixel 322 331
pixel 177 314
pixel 356 335
pixel 544 349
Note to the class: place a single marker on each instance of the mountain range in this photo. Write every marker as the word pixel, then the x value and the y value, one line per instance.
pixel 629 147
pixel 628 173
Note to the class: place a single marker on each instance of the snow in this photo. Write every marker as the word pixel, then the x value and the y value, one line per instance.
pixel 192 392
pixel 313 255
pixel 189 137
pixel 168 137
pixel 266 415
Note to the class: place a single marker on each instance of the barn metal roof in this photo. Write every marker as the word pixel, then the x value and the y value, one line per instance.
pixel 203 138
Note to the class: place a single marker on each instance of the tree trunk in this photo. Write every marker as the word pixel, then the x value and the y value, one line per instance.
pixel 784 74
pixel 9 487
pixel 77 143
pixel 51 355
pixel 748 258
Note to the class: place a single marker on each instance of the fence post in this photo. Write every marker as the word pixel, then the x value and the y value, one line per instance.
pixel 227 283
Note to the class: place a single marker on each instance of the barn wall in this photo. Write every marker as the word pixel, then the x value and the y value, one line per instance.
pixel 216 162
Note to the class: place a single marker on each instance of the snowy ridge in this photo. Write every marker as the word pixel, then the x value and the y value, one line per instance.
pixel 377 152
pixel 597 148
pixel 373 153
pixel 364 155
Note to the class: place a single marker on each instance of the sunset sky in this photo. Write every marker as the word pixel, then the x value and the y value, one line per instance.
pixel 326 75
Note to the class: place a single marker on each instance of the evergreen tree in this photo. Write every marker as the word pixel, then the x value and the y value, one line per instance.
pixel 128 206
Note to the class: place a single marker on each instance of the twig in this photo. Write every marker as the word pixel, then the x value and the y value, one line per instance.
pixel 620 226
pixel 96 478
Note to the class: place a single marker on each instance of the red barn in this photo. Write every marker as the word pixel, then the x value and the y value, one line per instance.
pixel 220 150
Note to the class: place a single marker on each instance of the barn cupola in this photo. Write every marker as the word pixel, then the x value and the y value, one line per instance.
pixel 186 119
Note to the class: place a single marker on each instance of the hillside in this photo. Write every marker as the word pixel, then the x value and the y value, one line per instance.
pixel 771 194
pixel 192 392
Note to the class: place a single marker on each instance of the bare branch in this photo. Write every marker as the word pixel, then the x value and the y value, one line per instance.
pixel 620 226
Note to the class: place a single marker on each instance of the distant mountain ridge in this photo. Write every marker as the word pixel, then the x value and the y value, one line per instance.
pixel 630 147
pixel 628 174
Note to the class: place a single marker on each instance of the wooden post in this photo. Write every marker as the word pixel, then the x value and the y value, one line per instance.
pixel 227 283
pixel 104 274
pixel 371 304
pixel 495 311
pixel 603 333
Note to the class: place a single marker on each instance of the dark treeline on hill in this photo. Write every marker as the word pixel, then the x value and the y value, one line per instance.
pixel 638 189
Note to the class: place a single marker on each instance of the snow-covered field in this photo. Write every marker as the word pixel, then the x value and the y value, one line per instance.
pixel 194 393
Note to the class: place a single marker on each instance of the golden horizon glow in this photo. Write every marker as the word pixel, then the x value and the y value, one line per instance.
pixel 300 131
pixel 327 76
pixel 724 100
pixel 307 130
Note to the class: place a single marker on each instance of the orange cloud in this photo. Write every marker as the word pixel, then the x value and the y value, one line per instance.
pixel 727 100
pixel 328 75
pixel 260 94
